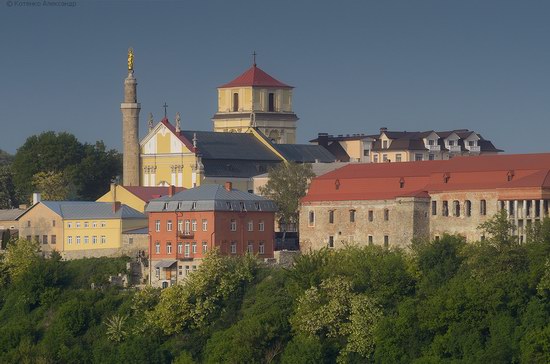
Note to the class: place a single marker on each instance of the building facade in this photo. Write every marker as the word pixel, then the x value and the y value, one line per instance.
pixel 393 203
pixel 403 146
pixel 184 227
pixel 78 229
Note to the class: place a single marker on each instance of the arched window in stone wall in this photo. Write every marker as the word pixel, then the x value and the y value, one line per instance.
pixel 468 208
pixel 456 208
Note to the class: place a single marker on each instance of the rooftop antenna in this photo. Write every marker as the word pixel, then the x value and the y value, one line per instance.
pixel 165 108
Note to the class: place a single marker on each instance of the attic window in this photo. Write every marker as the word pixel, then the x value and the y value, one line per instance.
pixel 179 205
pixel 243 208
pixel 510 175
pixel 229 206
pixel 446 177
pixel 258 206
pixel 337 184
pixel 165 206
pixel 401 182
pixel 194 205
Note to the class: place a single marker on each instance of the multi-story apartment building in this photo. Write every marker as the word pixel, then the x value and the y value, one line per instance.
pixel 183 227
pixel 403 146
pixel 392 203
pixel 78 229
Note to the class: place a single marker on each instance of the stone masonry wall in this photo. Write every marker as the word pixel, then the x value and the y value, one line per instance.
pixel 403 214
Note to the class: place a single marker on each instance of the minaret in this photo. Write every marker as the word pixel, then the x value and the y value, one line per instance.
pixel 130 127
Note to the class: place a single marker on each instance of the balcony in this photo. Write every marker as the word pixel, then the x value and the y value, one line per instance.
pixel 454 148
pixel 184 257
pixel 434 148
pixel 474 149
pixel 186 234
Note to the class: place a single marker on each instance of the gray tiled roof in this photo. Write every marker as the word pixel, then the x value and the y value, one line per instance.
pixel 245 146
pixel 305 153
pixel 91 210
pixel 211 198
pixel 10 214
pixel 235 168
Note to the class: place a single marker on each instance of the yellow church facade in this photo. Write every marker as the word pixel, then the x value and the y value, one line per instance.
pixel 167 159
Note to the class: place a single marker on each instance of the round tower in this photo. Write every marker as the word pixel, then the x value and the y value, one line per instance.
pixel 130 127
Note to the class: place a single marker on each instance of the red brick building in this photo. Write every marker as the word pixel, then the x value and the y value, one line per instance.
pixel 392 203
pixel 183 227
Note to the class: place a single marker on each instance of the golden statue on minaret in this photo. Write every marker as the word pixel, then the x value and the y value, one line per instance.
pixel 130 59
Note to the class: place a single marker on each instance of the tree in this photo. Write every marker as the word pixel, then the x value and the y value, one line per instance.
pixel 287 184
pixel 200 300
pixel 333 311
pixel 8 197
pixel 52 185
pixel 115 327
pixel 42 153
pixel 87 168
pixel 499 230
pixel 92 176
pixel 20 256
pixel 5 158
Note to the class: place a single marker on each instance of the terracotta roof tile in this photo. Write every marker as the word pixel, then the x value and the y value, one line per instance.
pixel 381 181
pixel 255 76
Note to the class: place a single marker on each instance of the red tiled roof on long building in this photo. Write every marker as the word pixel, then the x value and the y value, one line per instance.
pixel 150 192
pixel 255 77
pixel 379 181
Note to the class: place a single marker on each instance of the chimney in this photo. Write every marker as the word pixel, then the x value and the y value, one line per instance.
pixel 35 198
pixel 322 139
pixel 171 190
pixel 113 191
pixel 228 186
pixel 116 206
pixel 383 129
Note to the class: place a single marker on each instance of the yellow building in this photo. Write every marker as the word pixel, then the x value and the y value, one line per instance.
pixel 135 197
pixel 255 99
pixel 78 229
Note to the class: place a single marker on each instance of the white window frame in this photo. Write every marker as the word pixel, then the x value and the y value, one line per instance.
pixel 261 225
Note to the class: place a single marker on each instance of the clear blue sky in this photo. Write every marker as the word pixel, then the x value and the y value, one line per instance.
pixel 356 65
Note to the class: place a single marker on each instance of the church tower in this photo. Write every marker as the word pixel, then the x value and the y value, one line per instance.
pixel 255 99
pixel 130 127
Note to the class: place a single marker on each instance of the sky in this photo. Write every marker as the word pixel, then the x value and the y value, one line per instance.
pixel 356 65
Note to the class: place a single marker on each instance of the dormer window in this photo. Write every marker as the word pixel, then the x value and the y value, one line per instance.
pixel 384 144
pixel 472 143
pixel 243 208
pixel 401 183
pixel 431 142
pixel 451 143
pixel 194 205
pixel 179 205
pixel 229 206
pixel 165 207
pixel 510 175
pixel 257 206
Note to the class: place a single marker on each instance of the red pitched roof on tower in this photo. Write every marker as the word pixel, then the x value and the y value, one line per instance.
pixel 379 181
pixel 255 76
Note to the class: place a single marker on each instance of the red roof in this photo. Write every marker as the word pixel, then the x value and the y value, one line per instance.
pixel 255 76
pixel 180 135
pixel 380 181
pixel 148 193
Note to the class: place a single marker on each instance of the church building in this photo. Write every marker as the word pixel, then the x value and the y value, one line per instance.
pixel 254 129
